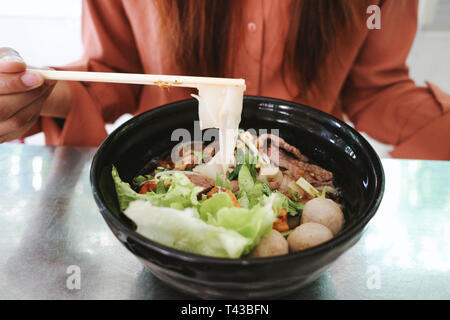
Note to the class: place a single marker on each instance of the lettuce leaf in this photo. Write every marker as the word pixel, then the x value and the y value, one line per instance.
pixel 125 194
pixel 212 227
pixel 183 230
pixel 251 223
pixel 214 204
pixel 243 200
pixel 253 189
pixel 181 194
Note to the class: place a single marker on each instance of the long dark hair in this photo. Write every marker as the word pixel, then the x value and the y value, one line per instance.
pixel 198 33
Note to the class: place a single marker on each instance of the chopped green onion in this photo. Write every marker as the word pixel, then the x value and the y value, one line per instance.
pixel 324 192
pixel 296 205
pixel 266 188
pixel 293 194
pixel 160 187
pixel 234 174
pixel 252 169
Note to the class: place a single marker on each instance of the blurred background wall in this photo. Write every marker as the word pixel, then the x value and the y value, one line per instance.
pixel 47 32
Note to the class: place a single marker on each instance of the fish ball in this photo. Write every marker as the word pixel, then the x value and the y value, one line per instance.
pixel 274 244
pixel 324 211
pixel 308 235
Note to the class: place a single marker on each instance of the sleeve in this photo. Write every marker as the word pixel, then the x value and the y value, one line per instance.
pixel 381 99
pixel 109 46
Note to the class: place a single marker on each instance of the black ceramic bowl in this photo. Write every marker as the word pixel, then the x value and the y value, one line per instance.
pixel 324 139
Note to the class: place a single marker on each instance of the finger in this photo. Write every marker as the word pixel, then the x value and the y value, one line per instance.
pixel 12 103
pixel 11 61
pixel 25 118
pixel 44 68
pixel 13 83
pixel 18 134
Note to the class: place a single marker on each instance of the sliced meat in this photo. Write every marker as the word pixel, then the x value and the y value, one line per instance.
pixel 274 185
pixel 310 172
pixel 167 163
pixel 280 143
pixel 201 181
pixel 235 185
pixel 187 159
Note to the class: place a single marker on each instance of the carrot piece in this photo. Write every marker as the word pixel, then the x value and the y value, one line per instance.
pixel 144 189
pixel 215 190
pixel 149 186
pixel 281 223
pixel 233 198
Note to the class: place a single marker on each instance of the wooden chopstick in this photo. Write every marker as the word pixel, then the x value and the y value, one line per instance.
pixel 145 79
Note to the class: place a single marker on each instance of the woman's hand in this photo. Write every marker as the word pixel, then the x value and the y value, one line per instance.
pixel 22 95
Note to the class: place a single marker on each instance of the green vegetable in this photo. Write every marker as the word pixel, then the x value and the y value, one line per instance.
pixel 305 185
pixel 199 156
pixel 243 200
pixel 251 223
pixel 141 179
pixel 283 202
pixel 324 192
pixel 251 164
pixel 293 194
pixel 183 230
pixel 252 169
pixel 234 174
pixel 240 156
pixel 182 193
pixel 212 227
pixel 297 206
pixel 125 194
pixel 160 187
pixel 222 181
pixel 253 190
pixel 266 188
pixel 214 204
pixel 219 180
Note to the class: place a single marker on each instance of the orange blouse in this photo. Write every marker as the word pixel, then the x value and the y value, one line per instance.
pixel 367 79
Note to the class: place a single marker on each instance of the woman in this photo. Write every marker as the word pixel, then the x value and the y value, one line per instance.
pixel 316 52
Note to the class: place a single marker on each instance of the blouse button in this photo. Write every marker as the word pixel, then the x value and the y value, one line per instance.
pixel 251 27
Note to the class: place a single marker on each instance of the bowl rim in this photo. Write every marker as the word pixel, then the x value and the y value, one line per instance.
pixel 336 241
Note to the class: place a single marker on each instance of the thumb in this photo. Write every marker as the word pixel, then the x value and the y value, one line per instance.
pixel 11 61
